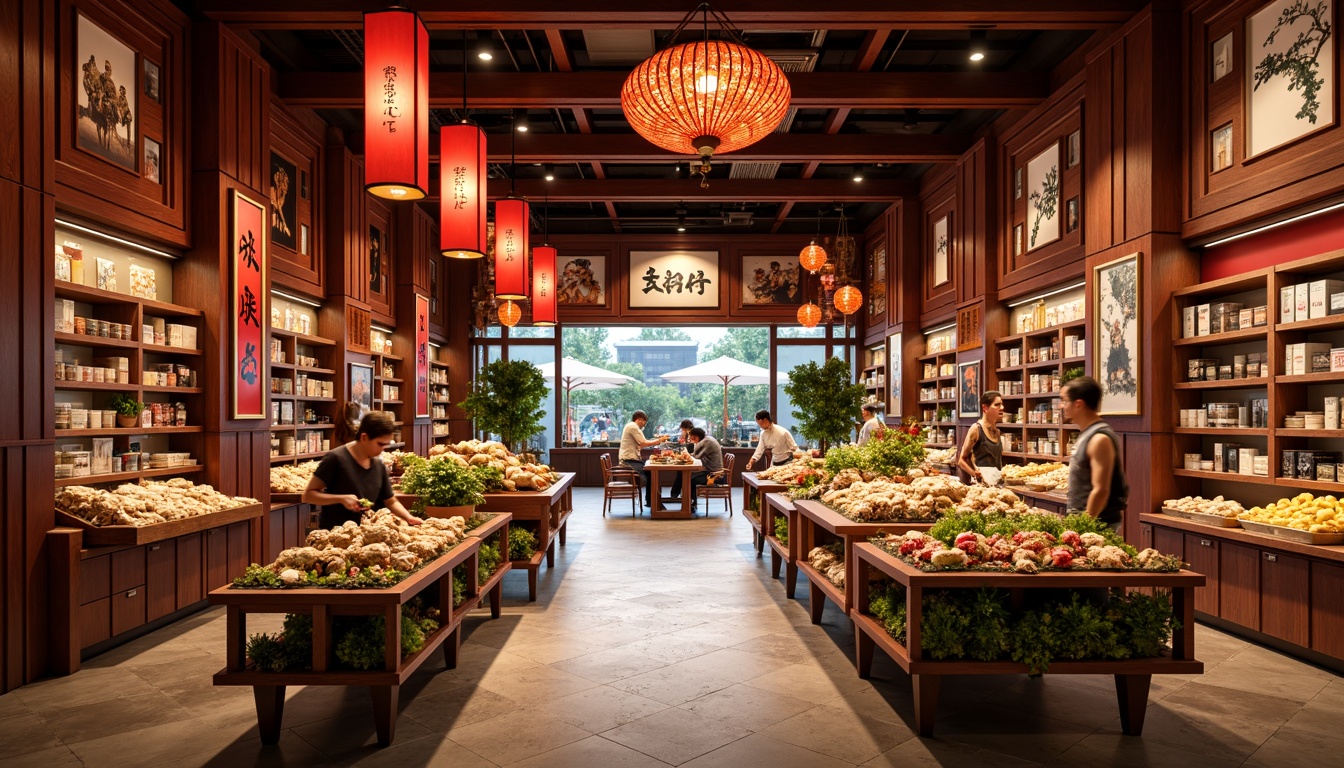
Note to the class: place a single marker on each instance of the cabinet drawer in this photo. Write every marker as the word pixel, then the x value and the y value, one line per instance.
pixel 95 622
pixel 128 609
pixel 128 569
pixel 190 570
pixel 239 550
pixel 1285 609
pixel 1327 610
pixel 95 578
pixel 1239 572
pixel 216 545
pixel 1169 541
pixel 160 579
pixel 1201 552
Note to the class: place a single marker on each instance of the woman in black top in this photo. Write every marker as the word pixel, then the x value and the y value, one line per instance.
pixel 352 472
pixel 982 447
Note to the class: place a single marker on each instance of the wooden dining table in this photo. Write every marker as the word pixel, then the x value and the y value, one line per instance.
pixel 657 509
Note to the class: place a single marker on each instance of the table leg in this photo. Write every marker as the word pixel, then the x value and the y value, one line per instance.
pixel 532 585
pixel 926 702
pixel 759 539
pixel 451 645
pixel 774 563
pixel 550 555
pixel 385 712
pixel 496 599
pixel 270 701
pixel 790 579
pixel 816 602
pixel 1132 692
pixel 564 527
pixel 863 652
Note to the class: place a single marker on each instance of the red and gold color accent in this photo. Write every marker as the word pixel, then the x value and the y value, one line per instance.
pixel 421 356
pixel 249 318
pixel 512 221
pixel 510 313
pixel 396 104
pixel 848 299
pixel 812 258
pixel 543 285
pixel 714 90
pixel 463 172
pixel 809 315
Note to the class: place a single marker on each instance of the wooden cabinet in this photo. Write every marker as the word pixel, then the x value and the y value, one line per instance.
pixel 1169 542
pixel 128 609
pixel 216 557
pixel 1285 584
pixel 190 573
pixel 239 553
pixel 95 622
pixel 1327 609
pixel 160 579
pixel 128 569
pixel 1239 572
pixel 95 579
pixel 1201 552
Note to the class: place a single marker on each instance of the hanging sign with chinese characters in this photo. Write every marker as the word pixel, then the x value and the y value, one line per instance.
pixel 248 267
pixel 512 222
pixel 674 280
pixel 396 104
pixel 421 356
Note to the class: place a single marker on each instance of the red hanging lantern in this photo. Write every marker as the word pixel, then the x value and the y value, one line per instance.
pixel 396 104
pixel 809 315
pixel 462 191
pixel 543 285
pixel 812 258
pixel 510 313
pixel 848 299
pixel 512 221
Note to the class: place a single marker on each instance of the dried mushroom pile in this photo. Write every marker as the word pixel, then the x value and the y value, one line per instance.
pixel 829 562
pixel 866 498
pixel 378 551
pixel 784 473
pixel 1199 505
pixel 1038 477
pixel 517 475
pixel 295 479
pixel 145 504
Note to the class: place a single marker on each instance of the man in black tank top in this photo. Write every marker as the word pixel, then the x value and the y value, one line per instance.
pixel 1097 482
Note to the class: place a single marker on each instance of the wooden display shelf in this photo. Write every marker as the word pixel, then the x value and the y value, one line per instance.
pixel 1235 431
pixel 1310 378
pixel 1334 434
pixel 1132 676
pixel 1234 477
pixel 1333 552
pixel 389 379
pixel 754 490
pixel 1328 323
pixel 324 604
pixel 87 295
pixel 97 342
pixel 172 390
pixel 391 402
pixel 286 499
pixel 114 431
pixel 97 386
pixel 814 518
pixel 1034 457
pixel 302 338
pixel 1219 339
pixel 1259 381
pixel 388 356
pixel 121 477
pixel 1335 489
pixel 441 402
pixel 132 535
pixel 781 553
pixel 301 426
pixel 282 366
pixel 302 398
pixel 163 349
pixel 1043 364
pixel 314 369
pixel 297 456
pixel 940 445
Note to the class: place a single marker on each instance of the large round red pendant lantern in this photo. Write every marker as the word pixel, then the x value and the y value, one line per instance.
pixel 706 96
pixel 510 313
pixel 809 315
pixel 512 221
pixel 848 299
pixel 812 258
pixel 463 173
pixel 396 104
pixel 543 285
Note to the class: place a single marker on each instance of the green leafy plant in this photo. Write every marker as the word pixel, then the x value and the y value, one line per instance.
pixel 1070 374
pixel 1007 523
pixel 492 478
pixel 942 414
pixel 522 543
pixel 825 400
pixel 891 453
pixel 267 652
pixel 440 482
pixel 887 605
pixel 1145 624
pixel 459 588
pixel 126 405
pixel 488 560
pixel 505 400
pixel 782 529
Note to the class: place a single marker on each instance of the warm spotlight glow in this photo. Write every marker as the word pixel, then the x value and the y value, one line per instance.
pixel 510 314
pixel 813 257
pixel 848 299
pixel 809 315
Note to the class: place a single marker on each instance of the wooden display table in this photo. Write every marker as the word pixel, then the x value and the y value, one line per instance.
pixel 754 490
pixel 1046 501
pixel 818 524
pixel 780 505
pixel 268 688
pixel 1132 676
pixel 136 535
pixel 657 510
pixel 583 462
pixel 548 511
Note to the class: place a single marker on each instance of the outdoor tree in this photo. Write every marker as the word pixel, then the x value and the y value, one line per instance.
pixel 587 345
pixel 826 399
pixel 506 399
pixel 750 345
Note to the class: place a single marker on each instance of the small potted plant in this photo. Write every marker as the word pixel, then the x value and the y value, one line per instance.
pixel 128 410
pixel 442 487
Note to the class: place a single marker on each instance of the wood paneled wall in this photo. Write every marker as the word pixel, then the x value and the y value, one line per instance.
pixel 417 238
pixel 938 196
pixel 297 135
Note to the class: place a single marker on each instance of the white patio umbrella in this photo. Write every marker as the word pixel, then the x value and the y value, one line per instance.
pixel 577 375
pixel 724 370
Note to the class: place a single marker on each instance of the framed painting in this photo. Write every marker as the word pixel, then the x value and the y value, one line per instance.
pixel 249 283
pixel 152 78
pixel 1221 148
pixel 1043 198
pixel 106 97
pixel 1075 145
pixel 674 280
pixel 1290 72
pixel 894 375
pixel 942 251
pixel 1115 327
pixel 582 281
pixel 361 384
pixel 1071 215
pixel 968 388
pixel 153 160
pixel 284 203
pixel 877 286
pixel 771 281
pixel 1221 57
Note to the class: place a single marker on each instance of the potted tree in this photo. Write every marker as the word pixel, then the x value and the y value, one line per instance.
pixel 825 399
pixel 442 487
pixel 506 399
pixel 128 409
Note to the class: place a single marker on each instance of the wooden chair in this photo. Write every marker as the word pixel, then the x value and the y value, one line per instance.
pixel 723 486
pixel 619 483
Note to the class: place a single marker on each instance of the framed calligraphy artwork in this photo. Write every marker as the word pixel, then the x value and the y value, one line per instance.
pixel 1117 361
pixel 248 267
pixel 421 356
pixel 674 280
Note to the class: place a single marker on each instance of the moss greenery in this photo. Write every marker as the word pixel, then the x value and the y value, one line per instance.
pixel 441 483
pixel 522 543
pixel 359 640
pixel 782 529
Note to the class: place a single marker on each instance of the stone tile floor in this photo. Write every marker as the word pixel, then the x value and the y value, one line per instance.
pixel 658 643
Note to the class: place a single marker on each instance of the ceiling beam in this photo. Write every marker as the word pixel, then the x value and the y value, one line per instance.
pixel 602 90
pixel 776 147
pixel 748 14
pixel 719 190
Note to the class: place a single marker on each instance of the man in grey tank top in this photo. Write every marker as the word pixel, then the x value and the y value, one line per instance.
pixel 1097 482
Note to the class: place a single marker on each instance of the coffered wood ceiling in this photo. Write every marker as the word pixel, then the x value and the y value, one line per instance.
pixel 880 90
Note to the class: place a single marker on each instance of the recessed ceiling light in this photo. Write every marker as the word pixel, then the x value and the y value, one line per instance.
pixel 979 45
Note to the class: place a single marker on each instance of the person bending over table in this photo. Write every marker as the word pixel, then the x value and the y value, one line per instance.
pixel 710 454
pixel 351 472
pixel 774 438
pixel 632 440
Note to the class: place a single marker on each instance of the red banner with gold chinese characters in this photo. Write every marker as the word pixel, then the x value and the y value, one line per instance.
pixel 248 265
pixel 421 356
pixel 512 222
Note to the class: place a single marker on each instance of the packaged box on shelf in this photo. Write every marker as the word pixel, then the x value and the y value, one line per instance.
pixel 1260 315
pixel 1255 365
pixel 115 363
pixel 1326 471
pixel 1288 464
pixel 1246 318
pixel 1300 357
pixel 1337 360
pixel 1287 304
pixel 101 461
pixel 147 334
pixel 1319 293
pixel 1246 460
pixel 65 316
pixel 1189 320
pixel 1202 320
pixel 1218 456
pixel 1320 362
pixel 1307 461
pixel 1260 466
pixel 1223 316
pixel 1332 413
pixel 1238 366
pixel 1336 303
pixel 1302 301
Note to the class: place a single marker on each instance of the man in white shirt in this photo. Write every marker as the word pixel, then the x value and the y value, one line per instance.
pixel 632 440
pixel 872 426
pixel 774 438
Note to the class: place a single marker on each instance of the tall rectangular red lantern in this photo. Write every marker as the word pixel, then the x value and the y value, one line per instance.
pixel 543 285
pixel 396 104
pixel 512 222
pixel 463 172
